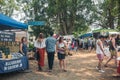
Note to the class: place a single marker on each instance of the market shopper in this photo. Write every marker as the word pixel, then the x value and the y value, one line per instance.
pixel 61 48
pixel 68 45
pixel 113 50
pixel 50 48
pixel 76 45
pixel 81 43
pixel 23 50
pixel 40 50
pixel 100 52
pixel 23 46
pixel 89 44
pixel 118 42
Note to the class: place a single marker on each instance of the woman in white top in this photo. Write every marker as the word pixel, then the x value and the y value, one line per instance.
pixel 61 47
pixel 100 52
pixel 40 46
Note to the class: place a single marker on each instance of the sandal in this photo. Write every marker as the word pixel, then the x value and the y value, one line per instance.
pixel 105 66
pixel 65 70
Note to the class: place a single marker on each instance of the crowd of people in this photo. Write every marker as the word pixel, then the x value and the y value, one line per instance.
pixel 104 45
pixel 80 44
pixel 107 46
pixel 51 45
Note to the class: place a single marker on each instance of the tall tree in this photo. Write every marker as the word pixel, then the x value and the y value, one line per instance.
pixel 118 1
pixel 67 14
pixel 107 13
pixel 8 6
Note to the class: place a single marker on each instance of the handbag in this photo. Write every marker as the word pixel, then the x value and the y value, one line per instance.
pixel 107 52
pixel 37 56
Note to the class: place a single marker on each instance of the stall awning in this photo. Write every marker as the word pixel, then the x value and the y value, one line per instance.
pixel 86 35
pixel 7 23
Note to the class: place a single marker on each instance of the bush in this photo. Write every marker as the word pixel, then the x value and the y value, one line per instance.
pixel 31 47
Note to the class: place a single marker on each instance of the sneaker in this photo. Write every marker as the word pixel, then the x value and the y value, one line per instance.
pixel 49 70
pixel 97 68
pixel 102 71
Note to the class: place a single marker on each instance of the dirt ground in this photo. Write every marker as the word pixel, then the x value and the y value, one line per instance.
pixel 80 66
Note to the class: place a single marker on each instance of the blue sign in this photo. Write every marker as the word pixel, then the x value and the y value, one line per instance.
pixel 36 23
pixel 7 36
pixel 14 65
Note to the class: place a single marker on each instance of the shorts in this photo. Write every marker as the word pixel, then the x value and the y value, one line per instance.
pixel 100 56
pixel 75 48
pixel 113 52
pixel 61 56
pixel 89 45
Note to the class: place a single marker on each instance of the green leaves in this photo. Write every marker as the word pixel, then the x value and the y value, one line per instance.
pixel 108 13
pixel 8 6
pixel 65 16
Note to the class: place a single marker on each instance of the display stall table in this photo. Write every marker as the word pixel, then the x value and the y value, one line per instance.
pixel 12 65
pixel 7 38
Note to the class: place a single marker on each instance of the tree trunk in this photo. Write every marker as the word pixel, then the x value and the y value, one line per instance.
pixel 119 13
pixel 110 19
pixel 73 16
pixel 110 16
pixel 64 23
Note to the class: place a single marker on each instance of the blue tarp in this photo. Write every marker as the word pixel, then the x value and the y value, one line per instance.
pixel 9 23
pixel 86 35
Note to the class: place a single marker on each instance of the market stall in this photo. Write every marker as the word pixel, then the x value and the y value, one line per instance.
pixel 10 65
pixel 86 35
pixel 10 59
pixel 104 32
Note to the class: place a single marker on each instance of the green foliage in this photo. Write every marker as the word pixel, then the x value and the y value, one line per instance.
pixel 8 6
pixel 62 16
pixel 107 13
pixel 118 28
pixel 46 30
pixel 70 15
pixel 105 30
pixel 66 16
pixel 2 2
pixel 31 46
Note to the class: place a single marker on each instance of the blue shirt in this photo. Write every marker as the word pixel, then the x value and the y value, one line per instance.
pixel 50 44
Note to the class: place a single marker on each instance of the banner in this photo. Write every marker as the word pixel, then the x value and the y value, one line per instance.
pixel 37 23
pixel 7 36
pixel 13 65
